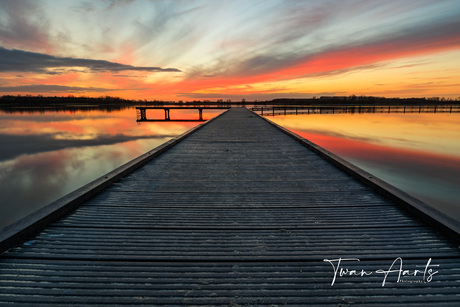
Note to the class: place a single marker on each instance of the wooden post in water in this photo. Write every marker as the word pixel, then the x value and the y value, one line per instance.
pixel 167 114
pixel 143 114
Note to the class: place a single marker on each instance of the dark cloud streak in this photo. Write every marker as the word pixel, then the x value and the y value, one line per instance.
pixel 24 61
pixel 44 88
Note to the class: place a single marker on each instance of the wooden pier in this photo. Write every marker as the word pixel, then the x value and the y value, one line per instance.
pixel 327 109
pixel 142 113
pixel 236 212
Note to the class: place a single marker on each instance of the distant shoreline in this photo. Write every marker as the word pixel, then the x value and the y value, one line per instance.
pixel 43 102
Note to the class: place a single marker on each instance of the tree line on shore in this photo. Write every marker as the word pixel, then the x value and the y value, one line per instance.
pixel 109 101
pixel 364 100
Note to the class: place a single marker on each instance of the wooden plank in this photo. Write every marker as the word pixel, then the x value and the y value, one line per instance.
pixel 284 200
pixel 164 282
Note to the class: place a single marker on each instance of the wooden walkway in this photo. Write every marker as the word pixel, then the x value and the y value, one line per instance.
pixel 238 213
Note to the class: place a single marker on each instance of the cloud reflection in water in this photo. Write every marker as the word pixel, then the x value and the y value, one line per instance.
pixel 32 180
pixel 418 153
pixel 46 156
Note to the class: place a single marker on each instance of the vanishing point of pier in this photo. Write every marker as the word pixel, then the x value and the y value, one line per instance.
pixel 236 212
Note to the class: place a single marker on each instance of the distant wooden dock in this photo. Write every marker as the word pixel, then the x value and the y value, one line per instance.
pixel 142 113
pixel 236 212
pixel 352 109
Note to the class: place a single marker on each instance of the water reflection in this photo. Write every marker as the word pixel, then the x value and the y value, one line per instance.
pixel 418 153
pixel 47 155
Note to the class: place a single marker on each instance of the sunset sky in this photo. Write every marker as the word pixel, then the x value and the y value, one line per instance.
pixel 257 50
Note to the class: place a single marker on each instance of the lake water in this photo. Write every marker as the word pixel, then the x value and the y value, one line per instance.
pixel 418 153
pixel 47 154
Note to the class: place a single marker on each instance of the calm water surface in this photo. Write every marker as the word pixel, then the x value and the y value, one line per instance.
pixel 49 154
pixel 45 155
pixel 418 153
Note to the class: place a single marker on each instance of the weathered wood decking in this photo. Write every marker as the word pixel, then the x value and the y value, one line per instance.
pixel 238 213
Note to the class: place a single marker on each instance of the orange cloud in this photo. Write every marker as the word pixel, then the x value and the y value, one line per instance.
pixel 329 62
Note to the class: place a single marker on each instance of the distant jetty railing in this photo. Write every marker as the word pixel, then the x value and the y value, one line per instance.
pixel 296 110
pixel 142 113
